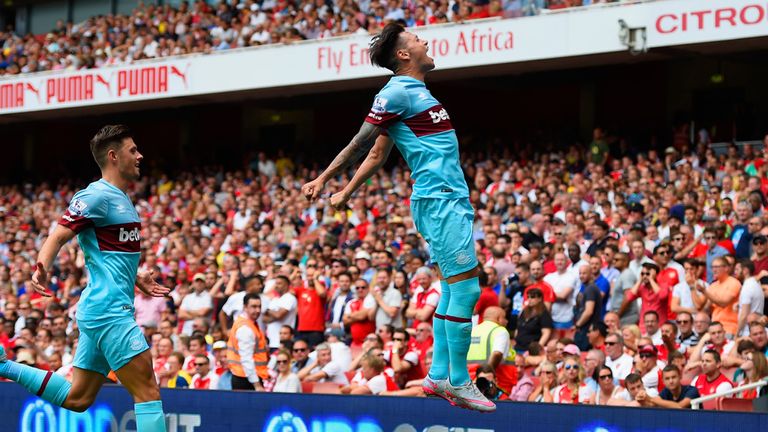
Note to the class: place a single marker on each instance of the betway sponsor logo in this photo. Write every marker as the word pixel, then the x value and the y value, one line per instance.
pixel 129 235
pixel 713 19
pixel 438 116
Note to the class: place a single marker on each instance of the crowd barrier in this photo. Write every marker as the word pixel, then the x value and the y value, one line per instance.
pixel 220 411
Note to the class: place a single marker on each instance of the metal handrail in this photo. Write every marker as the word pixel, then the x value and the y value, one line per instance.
pixel 755 385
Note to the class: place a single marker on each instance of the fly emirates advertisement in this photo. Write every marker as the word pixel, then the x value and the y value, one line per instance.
pixel 577 32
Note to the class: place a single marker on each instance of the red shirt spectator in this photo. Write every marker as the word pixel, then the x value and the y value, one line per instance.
pixel 488 298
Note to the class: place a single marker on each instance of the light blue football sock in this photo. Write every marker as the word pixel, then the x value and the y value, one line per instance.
pixel 45 384
pixel 440 355
pixel 149 416
pixel 458 327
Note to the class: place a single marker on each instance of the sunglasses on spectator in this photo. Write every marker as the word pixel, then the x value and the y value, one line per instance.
pixel 644 274
pixel 683 321
pixel 709 237
pixel 282 361
pixel 606 377
pixel 201 364
pixel 360 287
pixel 759 242
pixel 610 343
pixel 548 372
pixel 570 366
pixel 646 355
pixel 299 350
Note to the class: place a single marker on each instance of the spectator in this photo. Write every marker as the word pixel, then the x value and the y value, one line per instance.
pixel 535 323
pixel 424 298
pixel 596 335
pixel 488 296
pixel 286 381
pixel 563 284
pixel 588 308
pixel 607 389
pixel 654 299
pixel 573 390
pixel 759 336
pixel 751 297
pixel 711 380
pixel 686 337
pixel 723 292
pixel 687 296
pixel 714 251
pixel 281 311
pixel 620 363
pixel 234 304
pixel 760 247
pixel 311 297
pixel 674 395
pixel 300 355
pixel 635 394
pixel 649 368
pixel 323 369
pixel 196 304
pixel 490 345
pixel 403 359
pixel 537 275
pixel 525 385
pixel 177 377
pixel 388 301
pixel 204 378
pixel 755 367
pixel 359 313
pixel 371 379
pixel 150 310
pixel 625 281
pixel 548 381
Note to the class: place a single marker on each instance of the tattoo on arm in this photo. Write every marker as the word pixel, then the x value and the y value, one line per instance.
pixel 360 145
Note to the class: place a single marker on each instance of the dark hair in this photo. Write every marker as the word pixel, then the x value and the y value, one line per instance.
pixel 249 297
pixel 633 378
pixel 651 312
pixel 108 138
pixel 199 338
pixel 714 354
pixel 284 277
pixel 402 331
pixel 383 46
pixel 670 368
pixel 747 264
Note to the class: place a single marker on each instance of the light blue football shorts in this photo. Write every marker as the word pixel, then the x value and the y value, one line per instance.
pixel 109 344
pixel 446 224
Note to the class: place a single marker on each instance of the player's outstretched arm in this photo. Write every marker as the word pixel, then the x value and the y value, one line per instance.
pixel 372 163
pixel 360 145
pixel 53 244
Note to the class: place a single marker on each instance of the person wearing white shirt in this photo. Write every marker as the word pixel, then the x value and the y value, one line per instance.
pixel 281 311
pixel 751 297
pixel 639 258
pixel 197 304
pixel 286 381
pixel 370 379
pixel 388 300
pixel 564 285
pixel 615 358
pixel 324 369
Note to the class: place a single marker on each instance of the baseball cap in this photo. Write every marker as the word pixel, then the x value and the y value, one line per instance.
pixel 199 276
pixel 219 345
pixel 638 226
pixel 363 255
pixel 572 349
pixel 648 349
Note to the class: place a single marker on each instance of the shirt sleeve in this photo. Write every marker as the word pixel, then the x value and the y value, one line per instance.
pixel 369 302
pixel 246 341
pixel 501 342
pixel 377 384
pixel 433 299
pixel 86 209
pixel 389 106
pixel 332 369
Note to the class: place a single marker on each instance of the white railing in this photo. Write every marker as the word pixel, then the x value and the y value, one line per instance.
pixel 756 385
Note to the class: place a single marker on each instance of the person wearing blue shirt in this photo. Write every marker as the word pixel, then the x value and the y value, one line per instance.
pixel 108 230
pixel 675 395
pixel 405 114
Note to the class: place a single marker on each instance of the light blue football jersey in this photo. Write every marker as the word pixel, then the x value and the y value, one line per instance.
pixel 422 131
pixel 109 232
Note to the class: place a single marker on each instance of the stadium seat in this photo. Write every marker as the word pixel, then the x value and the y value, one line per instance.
pixel 733 404
pixel 307 387
pixel 712 404
pixel 326 388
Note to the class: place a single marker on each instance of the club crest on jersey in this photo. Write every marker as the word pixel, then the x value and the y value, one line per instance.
pixel 77 207
pixel 462 258
pixel 379 105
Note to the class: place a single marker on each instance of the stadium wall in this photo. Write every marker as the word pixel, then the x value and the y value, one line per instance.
pixel 209 411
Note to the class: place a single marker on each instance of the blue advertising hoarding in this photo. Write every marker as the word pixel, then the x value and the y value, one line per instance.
pixel 219 411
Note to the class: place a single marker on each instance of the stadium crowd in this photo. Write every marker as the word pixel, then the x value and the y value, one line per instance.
pixel 617 278
pixel 152 31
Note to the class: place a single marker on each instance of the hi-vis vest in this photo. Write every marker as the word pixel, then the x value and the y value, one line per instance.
pixel 480 353
pixel 260 352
